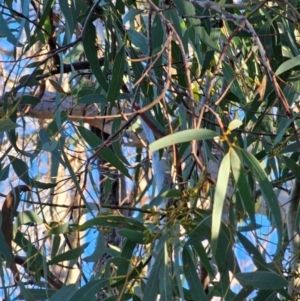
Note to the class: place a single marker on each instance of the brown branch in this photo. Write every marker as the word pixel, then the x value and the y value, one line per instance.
pixel 8 212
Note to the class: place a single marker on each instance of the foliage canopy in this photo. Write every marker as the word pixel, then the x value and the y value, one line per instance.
pixel 200 98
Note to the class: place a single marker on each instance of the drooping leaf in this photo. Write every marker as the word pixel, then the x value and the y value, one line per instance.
pixel 90 50
pixel 267 192
pixel 256 256
pixel 165 285
pixel 117 76
pixel 152 285
pixel 138 40
pixel 293 166
pixel 230 78
pixel 242 184
pixel 192 276
pixel 219 198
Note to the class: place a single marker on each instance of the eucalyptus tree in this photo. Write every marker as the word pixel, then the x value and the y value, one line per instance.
pixel 182 119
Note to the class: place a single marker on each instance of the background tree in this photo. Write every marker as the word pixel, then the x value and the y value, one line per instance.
pixel 140 143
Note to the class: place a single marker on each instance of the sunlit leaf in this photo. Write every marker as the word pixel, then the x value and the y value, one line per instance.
pixel 288 65
pixel 234 124
pixel 183 136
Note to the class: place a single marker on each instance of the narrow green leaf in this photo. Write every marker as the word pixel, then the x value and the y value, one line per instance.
pixel 88 291
pixel 206 39
pixel 4 30
pixel 255 254
pixel 70 24
pixel 94 141
pixel 262 280
pixel 6 125
pixel 288 65
pixel 35 259
pixel 242 184
pixel 152 285
pixel 38 294
pixel 198 246
pixel 234 124
pixel 57 86
pixel 92 98
pixel 293 166
pixel 230 78
pixel 21 169
pixel 4 173
pixel 192 277
pixel 267 192
pixel 116 145
pixel 219 198
pixel 90 50
pixel 183 136
pixel 27 295
pixel 117 76
pixel 138 40
pixel 65 293
pixel 26 217
pixel 282 128
pixel 29 100
pixel 127 252
pixel 134 235
pixel 165 285
pixel 69 255
pixel 113 221
pixel 99 249
pixel 57 228
pixel 131 14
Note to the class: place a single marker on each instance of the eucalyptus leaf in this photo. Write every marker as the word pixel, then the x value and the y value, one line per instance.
pixel 183 136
